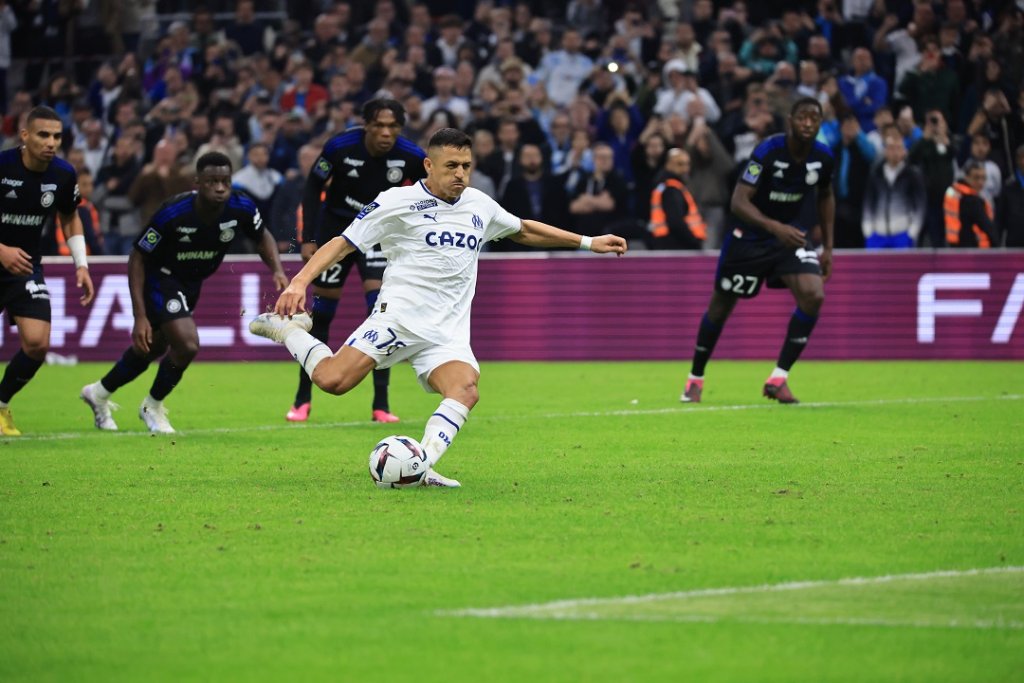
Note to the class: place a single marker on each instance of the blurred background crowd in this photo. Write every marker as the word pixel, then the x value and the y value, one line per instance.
pixel 573 106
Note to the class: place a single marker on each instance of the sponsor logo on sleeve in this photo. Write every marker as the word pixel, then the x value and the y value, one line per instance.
pixel 322 168
pixel 149 240
pixel 366 210
pixel 752 172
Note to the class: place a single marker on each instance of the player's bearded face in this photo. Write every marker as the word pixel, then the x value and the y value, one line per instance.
pixel 214 184
pixel 448 171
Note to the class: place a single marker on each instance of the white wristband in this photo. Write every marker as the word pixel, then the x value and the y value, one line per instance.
pixel 585 242
pixel 76 243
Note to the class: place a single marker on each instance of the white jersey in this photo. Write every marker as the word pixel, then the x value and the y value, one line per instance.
pixel 432 248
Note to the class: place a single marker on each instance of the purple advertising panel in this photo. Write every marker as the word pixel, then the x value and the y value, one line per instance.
pixel 644 306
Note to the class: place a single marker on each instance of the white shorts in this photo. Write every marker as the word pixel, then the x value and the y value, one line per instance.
pixel 388 343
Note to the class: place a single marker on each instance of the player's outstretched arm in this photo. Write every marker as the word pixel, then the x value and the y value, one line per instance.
pixel 537 234
pixel 293 298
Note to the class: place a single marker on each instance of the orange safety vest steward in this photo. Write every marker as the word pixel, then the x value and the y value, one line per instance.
pixel 954 222
pixel 62 246
pixel 658 226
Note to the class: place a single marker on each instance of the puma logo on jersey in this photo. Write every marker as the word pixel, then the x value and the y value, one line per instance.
pixel 431 216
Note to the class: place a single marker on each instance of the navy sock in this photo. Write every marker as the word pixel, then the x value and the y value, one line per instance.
pixel 800 327
pixel 125 370
pixel 323 314
pixel 381 378
pixel 18 373
pixel 167 377
pixel 707 337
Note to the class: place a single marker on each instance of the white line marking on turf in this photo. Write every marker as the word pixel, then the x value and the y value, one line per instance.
pixel 693 409
pixel 981 624
pixel 575 609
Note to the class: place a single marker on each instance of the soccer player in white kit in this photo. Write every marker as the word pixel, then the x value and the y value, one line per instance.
pixel 431 233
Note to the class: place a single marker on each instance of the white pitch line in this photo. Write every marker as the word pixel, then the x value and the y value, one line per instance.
pixel 978 624
pixel 692 409
pixel 571 609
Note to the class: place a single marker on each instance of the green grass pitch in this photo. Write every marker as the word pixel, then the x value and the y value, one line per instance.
pixel 247 549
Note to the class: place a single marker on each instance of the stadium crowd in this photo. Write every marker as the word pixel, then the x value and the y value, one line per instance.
pixel 573 107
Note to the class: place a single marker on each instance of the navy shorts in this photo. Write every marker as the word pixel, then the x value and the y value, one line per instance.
pixel 25 296
pixel 744 265
pixel 370 265
pixel 168 298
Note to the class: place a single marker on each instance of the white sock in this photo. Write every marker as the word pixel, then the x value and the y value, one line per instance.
pixel 442 427
pixel 100 391
pixel 779 372
pixel 149 400
pixel 307 349
pixel 693 376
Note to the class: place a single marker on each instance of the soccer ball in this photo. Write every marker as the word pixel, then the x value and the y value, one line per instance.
pixel 397 462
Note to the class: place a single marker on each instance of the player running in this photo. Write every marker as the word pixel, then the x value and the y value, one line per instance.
pixel 183 244
pixel 768 243
pixel 34 184
pixel 431 234
pixel 360 164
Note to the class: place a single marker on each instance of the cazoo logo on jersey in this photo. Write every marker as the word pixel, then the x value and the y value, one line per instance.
pixel 453 239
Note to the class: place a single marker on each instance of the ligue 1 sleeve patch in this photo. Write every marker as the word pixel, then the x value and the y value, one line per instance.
pixel 367 209
pixel 322 168
pixel 752 172
pixel 149 240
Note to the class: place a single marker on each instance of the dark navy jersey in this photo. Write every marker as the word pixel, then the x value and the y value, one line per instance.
pixel 28 199
pixel 356 176
pixel 783 185
pixel 178 243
